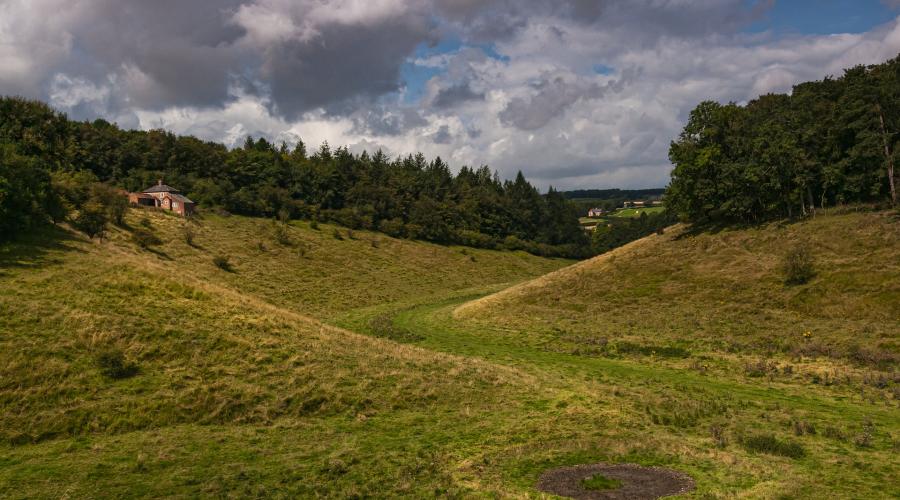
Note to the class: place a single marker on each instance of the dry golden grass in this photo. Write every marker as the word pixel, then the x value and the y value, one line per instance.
pixel 725 292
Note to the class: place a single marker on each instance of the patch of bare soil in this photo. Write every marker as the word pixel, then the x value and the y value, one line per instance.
pixel 638 482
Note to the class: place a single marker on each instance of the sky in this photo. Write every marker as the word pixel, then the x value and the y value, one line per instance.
pixel 574 93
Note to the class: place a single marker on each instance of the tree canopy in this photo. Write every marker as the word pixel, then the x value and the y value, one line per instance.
pixel 405 196
pixel 829 142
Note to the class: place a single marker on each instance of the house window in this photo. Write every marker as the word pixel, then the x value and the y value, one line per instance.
pixel 174 205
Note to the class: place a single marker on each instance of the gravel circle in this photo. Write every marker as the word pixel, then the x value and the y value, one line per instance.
pixel 638 482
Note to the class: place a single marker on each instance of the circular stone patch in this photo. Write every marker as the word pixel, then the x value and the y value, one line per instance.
pixel 637 482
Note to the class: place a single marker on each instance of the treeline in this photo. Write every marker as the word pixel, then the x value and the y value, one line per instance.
pixel 615 194
pixel 49 165
pixel 829 142
pixel 616 232
pixel 609 199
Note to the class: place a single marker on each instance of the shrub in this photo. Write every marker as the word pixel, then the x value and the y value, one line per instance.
pixel 768 443
pixel 92 220
pixel 282 235
pixel 798 266
pixel 145 222
pixel 113 364
pixel 718 434
pixel 314 225
pixel 337 234
pixel 144 238
pixel 834 433
pixel 188 233
pixel 392 227
pixel 383 326
pixel 864 439
pixel 223 263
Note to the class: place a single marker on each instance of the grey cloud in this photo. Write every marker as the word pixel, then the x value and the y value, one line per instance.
pixel 344 62
pixel 491 20
pixel 553 97
pixel 386 122
pixel 442 136
pixel 454 95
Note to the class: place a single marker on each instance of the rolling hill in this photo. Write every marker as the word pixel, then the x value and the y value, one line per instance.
pixel 130 371
pixel 724 292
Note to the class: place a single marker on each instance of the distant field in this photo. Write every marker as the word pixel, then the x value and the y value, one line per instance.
pixel 636 212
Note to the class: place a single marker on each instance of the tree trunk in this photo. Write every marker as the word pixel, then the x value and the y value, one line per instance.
pixel 888 155
pixel 812 201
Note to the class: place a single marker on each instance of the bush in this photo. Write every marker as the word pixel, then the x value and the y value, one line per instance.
pixel 145 238
pixel 337 234
pixel 223 263
pixel 92 219
pixel 383 326
pixel 188 233
pixel 798 266
pixel 768 443
pixel 392 227
pixel 282 235
pixel 113 364
pixel 314 225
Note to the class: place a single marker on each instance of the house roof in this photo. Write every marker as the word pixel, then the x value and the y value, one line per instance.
pixel 160 188
pixel 178 197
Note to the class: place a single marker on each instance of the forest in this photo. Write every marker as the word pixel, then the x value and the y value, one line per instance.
pixel 50 168
pixel 828 143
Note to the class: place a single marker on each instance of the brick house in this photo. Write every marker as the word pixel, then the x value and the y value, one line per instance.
pixel 165 197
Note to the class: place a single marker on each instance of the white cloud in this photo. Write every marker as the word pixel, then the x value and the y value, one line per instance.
pixel 329 70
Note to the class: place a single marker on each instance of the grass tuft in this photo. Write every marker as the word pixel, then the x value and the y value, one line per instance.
pixel 599 482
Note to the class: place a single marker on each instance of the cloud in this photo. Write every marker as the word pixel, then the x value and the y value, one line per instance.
pixel 509 83
pixel 454 95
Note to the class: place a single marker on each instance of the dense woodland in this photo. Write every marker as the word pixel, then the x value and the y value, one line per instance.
pixel 828 143
pixel 50 167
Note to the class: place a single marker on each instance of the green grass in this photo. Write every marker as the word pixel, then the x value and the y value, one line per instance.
pixel 632 213
pixel 599 482
pixel 253 382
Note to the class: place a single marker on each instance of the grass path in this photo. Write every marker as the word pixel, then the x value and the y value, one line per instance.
pixel 435 322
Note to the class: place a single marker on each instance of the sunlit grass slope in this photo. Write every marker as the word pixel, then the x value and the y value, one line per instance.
pixel 227 351
pixel 237 384
pixel 328 270
pixel 724 292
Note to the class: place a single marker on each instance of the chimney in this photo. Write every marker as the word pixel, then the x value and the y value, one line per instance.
pixel 160 182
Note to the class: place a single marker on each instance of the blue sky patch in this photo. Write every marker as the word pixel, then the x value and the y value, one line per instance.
pixel 824 17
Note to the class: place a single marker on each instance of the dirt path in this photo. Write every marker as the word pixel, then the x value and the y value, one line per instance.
pixel 638 482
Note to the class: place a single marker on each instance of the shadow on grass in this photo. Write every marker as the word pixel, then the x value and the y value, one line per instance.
pixel 159 253
pixel 32 249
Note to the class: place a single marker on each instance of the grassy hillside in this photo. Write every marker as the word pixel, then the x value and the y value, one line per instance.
pixel 329 270
pixel 724 292
pixel 153 372
pixel 105 347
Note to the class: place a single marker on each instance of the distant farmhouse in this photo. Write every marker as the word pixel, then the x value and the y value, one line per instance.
pixel 596 212
pixel 165 197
